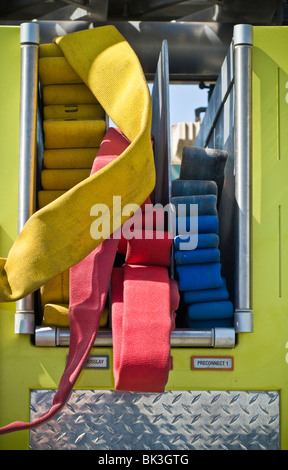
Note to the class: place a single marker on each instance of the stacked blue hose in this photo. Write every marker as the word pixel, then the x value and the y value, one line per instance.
pixel 201 285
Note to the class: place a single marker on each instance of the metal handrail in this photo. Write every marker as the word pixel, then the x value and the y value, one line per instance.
pixel 29 39
pixel 243 40
pixel 214 337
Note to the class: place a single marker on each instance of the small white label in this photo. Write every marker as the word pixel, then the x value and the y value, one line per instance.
pixel 97 362
pixel 212 363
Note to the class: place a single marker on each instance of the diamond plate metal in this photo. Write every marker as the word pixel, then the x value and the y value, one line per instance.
pixel 174 420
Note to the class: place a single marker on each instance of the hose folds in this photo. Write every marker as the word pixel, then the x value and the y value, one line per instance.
pixel 58 236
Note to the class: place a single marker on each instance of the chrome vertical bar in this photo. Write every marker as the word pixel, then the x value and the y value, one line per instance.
pixel 29 39
pixel 243 40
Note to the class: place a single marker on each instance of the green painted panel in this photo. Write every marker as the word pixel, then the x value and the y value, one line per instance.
pixel 261 357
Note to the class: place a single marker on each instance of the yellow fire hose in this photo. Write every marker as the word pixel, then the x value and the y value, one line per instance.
pixel 58 236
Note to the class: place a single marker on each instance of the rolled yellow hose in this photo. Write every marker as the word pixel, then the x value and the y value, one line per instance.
pixel 63 179
pixel 45 197
pixel 58 315
pixel 56 290
pixel 67 134
pixel 67 94
pixel 80 111
pixel 58 236
pixel 50 50
pixel 56 70
pixel 70 157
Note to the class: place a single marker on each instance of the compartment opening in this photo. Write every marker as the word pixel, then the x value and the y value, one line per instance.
pixel 216 132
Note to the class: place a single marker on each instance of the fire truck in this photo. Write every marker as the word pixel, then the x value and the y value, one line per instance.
pixel 227 387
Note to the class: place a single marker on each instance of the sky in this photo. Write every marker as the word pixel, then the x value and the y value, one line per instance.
pixel 184 99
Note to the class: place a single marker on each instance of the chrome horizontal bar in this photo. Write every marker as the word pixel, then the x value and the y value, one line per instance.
pixel 213 338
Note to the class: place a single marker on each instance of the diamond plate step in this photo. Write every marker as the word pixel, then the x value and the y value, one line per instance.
pixel 174 420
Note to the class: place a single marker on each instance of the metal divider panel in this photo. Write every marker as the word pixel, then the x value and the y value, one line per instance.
pixel 161 128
